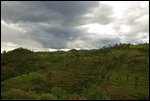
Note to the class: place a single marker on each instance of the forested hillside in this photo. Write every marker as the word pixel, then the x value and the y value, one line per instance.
pixel 119 72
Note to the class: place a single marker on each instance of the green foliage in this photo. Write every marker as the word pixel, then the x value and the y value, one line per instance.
pixel 8 72
pixel 76 97
pixel 57 91
pixel 17 94
pixel 95 93
pixel 4 52
pixel 47 96
pixel 120 72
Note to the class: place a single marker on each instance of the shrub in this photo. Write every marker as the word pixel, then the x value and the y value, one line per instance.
pixel 47 96
pixel 57 91
pixel 18 94
pixel 76 97
pixel 95 93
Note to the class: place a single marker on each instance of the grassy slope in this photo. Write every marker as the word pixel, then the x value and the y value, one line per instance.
pixel 120 72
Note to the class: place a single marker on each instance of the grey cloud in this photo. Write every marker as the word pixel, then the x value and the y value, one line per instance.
pixel 48 22
pixel 66 12
pixel 55 36
pixel 104 41
pixel 136 19
pixel 20 12
pixel 17 37
pixel 70 8
pixel 45 11
pixel 98 41
pixel 56 24
pixel 104 15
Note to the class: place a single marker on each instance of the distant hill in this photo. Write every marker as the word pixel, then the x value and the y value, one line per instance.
pixel 119 72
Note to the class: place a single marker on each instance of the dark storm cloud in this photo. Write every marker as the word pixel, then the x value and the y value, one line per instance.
pixel 52 23
pixel 46 11
pixel 103 14
pixel 55 36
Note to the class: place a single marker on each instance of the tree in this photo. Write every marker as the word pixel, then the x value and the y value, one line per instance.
pixel 108 78
pixel 131 66
pixel 58 92
pixel 49 75
pixel 4 52
pixel 47 96
pixel 109 45
pixel 95 93
pixel 136 82
pixel 127 77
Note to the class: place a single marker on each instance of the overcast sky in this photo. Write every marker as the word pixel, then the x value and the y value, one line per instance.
pixel 50 25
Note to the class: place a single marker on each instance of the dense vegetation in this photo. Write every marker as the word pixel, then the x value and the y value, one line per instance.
pixel 114 72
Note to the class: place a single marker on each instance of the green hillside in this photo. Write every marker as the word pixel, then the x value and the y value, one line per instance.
pixel 119 72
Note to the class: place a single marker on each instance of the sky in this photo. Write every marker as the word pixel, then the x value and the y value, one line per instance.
pixel 64 25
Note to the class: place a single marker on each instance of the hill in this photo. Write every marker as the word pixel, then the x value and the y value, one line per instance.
pixel 119 72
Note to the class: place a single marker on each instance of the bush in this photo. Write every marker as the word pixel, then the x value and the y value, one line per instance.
pixel 47 96
pixel 76 97
pixel 40 84
pixel 95 93
pixel 57 91
pixel 18 94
